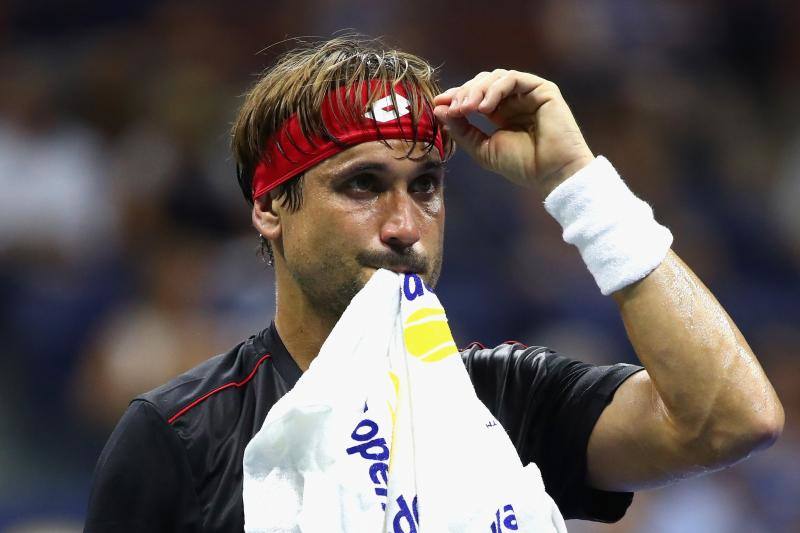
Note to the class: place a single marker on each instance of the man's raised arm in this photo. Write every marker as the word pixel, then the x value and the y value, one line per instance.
pixel 703 402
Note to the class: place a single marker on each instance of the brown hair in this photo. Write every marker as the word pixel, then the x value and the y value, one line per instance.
pixel 298 83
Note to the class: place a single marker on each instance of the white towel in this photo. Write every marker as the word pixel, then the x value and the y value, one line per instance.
pixel 384 433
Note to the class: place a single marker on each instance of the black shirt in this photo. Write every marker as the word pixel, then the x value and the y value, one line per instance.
pixel 174 461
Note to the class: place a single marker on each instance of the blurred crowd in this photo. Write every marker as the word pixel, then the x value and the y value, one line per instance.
pixel 127 256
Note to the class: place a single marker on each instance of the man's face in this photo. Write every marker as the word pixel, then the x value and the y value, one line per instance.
pixel 365 208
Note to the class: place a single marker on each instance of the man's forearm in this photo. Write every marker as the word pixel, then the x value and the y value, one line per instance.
pixel 710 383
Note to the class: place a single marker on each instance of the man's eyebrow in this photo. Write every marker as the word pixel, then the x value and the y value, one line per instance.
pixel 357 167
pixel 432 164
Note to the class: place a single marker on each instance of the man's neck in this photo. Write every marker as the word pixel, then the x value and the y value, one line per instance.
pixel 301 327
pixel 302 337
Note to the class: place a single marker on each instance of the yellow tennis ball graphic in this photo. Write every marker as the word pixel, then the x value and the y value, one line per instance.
pixel 428 336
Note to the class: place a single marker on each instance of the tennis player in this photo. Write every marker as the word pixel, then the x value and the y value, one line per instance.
pixel 341 148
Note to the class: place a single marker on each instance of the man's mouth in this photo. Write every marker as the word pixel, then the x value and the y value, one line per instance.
pixel 402 264
pixel 400 269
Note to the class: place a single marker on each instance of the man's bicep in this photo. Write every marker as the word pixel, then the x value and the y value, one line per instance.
pixel 142 480
pixel 633 446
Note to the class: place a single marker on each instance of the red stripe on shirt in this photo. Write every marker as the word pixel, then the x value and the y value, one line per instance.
pixel 204 397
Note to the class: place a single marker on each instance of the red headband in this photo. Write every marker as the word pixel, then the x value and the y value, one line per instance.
pixel 289 152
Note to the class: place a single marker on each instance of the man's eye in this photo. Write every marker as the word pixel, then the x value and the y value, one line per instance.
pixel 361 183
pixel 425 185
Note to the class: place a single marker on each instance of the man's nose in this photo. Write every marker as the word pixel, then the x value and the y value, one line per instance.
pixel 400 228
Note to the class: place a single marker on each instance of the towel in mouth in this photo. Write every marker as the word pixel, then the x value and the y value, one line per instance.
pixel 384 433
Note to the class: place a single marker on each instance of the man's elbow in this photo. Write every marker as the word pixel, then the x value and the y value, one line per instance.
pixel 762 433
pixel 744 435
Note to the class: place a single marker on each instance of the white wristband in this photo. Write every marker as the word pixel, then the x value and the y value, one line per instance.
pixel 615 232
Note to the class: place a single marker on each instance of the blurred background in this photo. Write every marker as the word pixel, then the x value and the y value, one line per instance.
pixel 127 256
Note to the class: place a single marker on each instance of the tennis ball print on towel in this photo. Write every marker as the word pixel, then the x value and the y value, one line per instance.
pixel 425 330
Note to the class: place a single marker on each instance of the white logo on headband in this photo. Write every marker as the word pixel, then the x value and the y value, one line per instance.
pixel 384 110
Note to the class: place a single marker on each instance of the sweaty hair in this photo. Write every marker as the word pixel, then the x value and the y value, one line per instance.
pixel 298 83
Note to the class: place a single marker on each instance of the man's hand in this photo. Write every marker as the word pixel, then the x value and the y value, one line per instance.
pixel 537 143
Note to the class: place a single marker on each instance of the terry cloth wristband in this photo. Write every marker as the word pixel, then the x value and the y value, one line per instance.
pixel 615 232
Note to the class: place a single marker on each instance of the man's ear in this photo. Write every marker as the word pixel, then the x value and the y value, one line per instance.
pixel 265 218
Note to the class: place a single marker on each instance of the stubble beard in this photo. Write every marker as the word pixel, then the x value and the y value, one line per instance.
pixel 329 283
pixel 329 286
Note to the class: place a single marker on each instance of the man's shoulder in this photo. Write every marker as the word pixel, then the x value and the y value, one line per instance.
pixel 537 375
pixel 187 396
pixel 477 356
pixel 173 450
pixel 531 364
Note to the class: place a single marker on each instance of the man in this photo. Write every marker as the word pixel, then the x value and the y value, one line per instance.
pixel 340 149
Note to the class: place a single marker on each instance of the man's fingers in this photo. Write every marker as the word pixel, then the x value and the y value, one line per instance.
pixel 487 90
pixel 495 93
pixel 516 83
pixel 466 97
pixel 472 98
pixel 467 137
pixel 445 97
pixel 474 90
